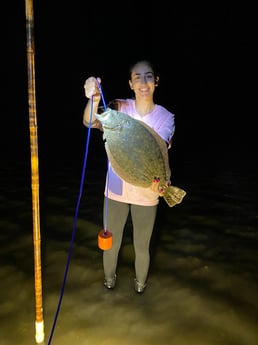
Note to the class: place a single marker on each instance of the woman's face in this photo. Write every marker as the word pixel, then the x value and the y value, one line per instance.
pixel 142 80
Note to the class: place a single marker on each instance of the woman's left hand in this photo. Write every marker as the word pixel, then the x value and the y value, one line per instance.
pixel 155 186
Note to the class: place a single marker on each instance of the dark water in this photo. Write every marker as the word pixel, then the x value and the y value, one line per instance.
pixel 203 278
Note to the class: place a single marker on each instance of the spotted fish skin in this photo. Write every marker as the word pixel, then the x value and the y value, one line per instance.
pixel 137 153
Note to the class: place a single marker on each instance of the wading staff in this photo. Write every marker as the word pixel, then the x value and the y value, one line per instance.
pixel 39 321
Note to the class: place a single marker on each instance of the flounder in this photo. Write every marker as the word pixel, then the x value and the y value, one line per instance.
pixel 137 153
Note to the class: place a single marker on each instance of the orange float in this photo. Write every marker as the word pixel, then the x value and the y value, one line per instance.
pixel 105 239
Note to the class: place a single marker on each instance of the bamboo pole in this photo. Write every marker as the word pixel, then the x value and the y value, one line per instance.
pixel 39 321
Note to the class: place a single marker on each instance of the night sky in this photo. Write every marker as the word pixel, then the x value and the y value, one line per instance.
pixel 205 56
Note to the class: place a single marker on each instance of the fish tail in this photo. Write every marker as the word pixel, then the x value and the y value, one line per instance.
pixel 173 195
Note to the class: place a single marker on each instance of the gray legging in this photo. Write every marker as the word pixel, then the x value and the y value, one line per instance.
pixel 143 219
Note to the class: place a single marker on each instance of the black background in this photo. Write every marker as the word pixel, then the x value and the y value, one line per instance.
pixel 205 56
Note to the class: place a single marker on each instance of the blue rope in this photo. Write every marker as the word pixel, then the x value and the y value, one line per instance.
pixel 101 94
pixel 74 226
pixel 76 215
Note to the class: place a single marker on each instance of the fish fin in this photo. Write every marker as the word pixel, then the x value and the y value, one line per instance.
pixel 173 195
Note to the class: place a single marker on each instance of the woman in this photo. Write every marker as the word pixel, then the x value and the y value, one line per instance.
pixel 123 197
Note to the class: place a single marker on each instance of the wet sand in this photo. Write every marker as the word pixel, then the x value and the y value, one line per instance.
pixel 202 287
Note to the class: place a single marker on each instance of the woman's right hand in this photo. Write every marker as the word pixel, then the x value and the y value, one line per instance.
pixel 91 88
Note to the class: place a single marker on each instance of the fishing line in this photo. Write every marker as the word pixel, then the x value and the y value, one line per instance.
pixel 106 206
pixel 105 236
